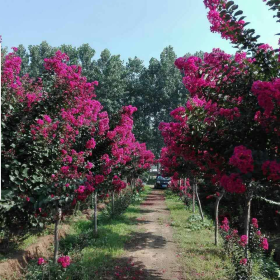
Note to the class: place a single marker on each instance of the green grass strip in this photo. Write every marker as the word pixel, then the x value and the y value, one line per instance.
pixel 199 257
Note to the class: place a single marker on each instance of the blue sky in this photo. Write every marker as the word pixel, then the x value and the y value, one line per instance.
pixel 130 28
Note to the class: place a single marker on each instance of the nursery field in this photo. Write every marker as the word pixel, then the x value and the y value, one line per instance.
pixel 81 138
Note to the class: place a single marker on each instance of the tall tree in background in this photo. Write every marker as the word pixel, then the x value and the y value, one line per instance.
pixel 37 55
pixel 160 90
pixel 110 72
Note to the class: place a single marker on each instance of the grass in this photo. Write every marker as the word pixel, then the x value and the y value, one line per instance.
pixel 93 257
pixel 199 257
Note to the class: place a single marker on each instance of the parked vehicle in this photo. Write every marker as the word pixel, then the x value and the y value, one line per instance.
pixel 161 182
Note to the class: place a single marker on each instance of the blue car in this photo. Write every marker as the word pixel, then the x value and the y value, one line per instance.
pixel 161 182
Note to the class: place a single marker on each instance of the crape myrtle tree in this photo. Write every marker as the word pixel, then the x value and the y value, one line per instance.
pixel 117 152
pixel 178 158
pixel 50 129
pixel 231 120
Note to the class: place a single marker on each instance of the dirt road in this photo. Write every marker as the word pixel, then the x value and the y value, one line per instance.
pixel 152 248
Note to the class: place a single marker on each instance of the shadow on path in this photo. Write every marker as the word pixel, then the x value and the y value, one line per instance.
pixel 140 241
pixel 128 269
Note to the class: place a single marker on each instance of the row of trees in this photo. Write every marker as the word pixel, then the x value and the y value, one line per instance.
pixel 59 146
pixel 154 90
pixel 227 134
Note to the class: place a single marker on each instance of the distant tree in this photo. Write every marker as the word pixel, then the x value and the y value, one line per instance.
pixel 110 72
pixel 23 54
pixel 160 91
pixel 37 55
pixel 199 54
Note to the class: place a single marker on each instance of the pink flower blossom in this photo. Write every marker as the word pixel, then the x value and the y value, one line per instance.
pixel 243 240
pixel 41 261
pixel 47 118
pixel 242 159
pixel 255 223
pixel 90 144
pixel 65 261
pixel 40 122
pixel 225 225
pixel 233 183
pixel 243 261
pixel 264 244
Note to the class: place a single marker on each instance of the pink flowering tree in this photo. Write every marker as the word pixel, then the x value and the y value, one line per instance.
pixel 229 127
pixel 129 158
pixel 111 160
pixel 50 127
pixel 58 146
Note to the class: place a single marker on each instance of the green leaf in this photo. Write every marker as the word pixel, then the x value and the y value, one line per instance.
pixel 12 178
pixel 24 173
pixel 230 3
pixel 222 13
pixel 238 13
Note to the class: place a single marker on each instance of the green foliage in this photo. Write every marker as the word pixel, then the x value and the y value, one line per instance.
pixel 194 223
pixel 265 267
pixel 121 203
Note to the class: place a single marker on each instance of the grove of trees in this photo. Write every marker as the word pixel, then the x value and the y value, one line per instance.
pixel 154 89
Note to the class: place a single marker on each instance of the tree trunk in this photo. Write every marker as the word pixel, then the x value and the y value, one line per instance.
pixel 218 199
pixel 92 201
pixel 95 212
pixel 247 222
pixel 134 184
pixel 56 239
pixel 193 198
pixel 248 216
pixel 199 204
pixel 113 203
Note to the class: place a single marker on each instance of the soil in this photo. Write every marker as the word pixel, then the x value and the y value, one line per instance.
pixel 152 250
pixel 15 265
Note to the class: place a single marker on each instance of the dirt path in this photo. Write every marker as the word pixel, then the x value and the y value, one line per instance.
pixel 152 248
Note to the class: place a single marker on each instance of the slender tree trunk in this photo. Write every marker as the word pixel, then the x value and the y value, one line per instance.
pixel 95 212
pixel 248 216
pixel 113 203
pixel 131 184
pixel 247 222
pixel 218 199
pixel 180 185
pixel 92 201
pixel 193 198
pixel 134 184
pixel 198 200
pixel 56 238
